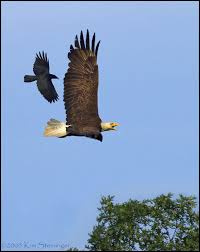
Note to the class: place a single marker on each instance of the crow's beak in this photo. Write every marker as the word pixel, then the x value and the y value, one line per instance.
pixel 52 76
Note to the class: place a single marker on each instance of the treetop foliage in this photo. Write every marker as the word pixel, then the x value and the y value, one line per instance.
pixel 163 223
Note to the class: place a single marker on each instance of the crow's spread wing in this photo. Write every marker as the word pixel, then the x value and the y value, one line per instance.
pixel 47 89
pixel 41 65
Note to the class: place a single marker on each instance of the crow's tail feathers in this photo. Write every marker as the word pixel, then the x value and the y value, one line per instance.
pixel 30 78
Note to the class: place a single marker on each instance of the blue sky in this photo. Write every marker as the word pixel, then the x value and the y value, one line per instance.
pixel 148 82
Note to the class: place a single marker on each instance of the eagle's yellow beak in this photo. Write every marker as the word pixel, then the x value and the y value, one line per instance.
pixel 114 125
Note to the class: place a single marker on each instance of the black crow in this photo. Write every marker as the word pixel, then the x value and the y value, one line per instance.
pixel 43 77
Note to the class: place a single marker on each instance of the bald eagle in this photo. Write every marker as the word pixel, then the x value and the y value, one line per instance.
pixel 81 94
pixel 43 77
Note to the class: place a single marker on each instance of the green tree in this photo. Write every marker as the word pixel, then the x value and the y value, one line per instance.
pixel 72 249
pixel 162 223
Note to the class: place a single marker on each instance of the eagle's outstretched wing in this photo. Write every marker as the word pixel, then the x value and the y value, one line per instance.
pixel 41 65
pixel 81 86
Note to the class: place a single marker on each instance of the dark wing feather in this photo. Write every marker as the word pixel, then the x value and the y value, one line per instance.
pixel 77 42
pixel 93 42
pixel 81 87
pixel 97 47
pixel 82 41
pixel 46 88
pixel 88 41
pixel 41 65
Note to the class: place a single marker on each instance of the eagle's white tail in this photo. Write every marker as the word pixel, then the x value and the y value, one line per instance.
pixel 55 128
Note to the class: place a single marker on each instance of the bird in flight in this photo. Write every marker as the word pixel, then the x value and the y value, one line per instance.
pixel 81 94
pixel 43 77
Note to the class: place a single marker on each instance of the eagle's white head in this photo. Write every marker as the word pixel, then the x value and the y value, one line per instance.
pixel 105 126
